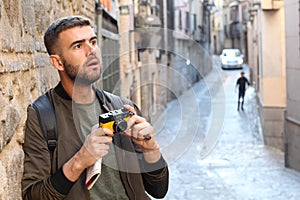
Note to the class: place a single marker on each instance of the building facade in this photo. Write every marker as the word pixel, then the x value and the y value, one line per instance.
pixel 257 28
pixel 191 43
pixel 170 51
pixel 217 29
pixel 266 47
pixel 292 119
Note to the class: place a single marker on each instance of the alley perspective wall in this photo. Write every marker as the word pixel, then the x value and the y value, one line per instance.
pixel 25 73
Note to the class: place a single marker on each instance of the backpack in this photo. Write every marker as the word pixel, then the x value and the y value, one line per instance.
pixel 46 116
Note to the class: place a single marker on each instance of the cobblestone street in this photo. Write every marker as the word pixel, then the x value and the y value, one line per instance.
pixel 239 167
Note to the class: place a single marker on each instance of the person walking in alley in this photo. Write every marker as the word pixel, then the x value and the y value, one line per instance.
pixel 241 84
pixel 132 164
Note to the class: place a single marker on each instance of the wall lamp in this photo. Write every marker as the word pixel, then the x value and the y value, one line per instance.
pixel 256 4
pixel 124 10
pixel 252 10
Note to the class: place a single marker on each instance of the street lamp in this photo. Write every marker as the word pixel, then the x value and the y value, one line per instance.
pixel 207 8
pixel 147 26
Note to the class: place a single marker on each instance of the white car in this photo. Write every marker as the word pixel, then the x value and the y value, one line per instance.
pixel 231 59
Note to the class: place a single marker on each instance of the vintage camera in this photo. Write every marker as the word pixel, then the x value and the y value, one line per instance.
pixel 115 120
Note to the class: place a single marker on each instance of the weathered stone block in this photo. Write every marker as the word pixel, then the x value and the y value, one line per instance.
pixel 10 63
pixel 42 19
pixel 28 16
pixel 0 10
pixel 8 125
pixel 6 38
pixel 14 170
pixel 41 60
pixel 2 70
pixel 3 182
pixel 12 11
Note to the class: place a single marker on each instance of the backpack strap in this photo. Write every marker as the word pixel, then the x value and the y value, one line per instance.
pixel 110 101
pixel 46 115
pixel 116 101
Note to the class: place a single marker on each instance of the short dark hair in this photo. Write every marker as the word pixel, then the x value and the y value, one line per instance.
pixel 60 25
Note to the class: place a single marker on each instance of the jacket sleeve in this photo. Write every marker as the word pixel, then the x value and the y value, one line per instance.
pixel 155 175
pixel 37 181
pixel 156 178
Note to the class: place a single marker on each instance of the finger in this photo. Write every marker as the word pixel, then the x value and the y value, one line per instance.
pixel 130 133
pixel 147 136
pixel 102 147
pixel 96 126
pixel 142 131
pixel 100 151
pixel 99 139
pixel 130 109
pixel 108 132
pixel 136 128
pixel 135 119
pixel 146 133
pixel 102 132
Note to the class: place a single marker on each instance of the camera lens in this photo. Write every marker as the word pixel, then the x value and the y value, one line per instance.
pixel 120 126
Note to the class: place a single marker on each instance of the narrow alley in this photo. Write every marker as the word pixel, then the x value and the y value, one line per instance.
pixel 239 167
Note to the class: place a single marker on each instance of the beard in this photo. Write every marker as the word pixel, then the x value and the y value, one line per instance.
pixel 80 73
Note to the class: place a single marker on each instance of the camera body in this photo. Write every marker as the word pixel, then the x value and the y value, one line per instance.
pixel 115 120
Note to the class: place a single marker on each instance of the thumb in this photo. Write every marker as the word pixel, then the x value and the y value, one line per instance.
pixel 95 127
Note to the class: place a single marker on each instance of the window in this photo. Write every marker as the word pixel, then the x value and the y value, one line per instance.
pixel 195 22
pixel 187 21
pixel 234 14
pixel 244 13
pixel 180 20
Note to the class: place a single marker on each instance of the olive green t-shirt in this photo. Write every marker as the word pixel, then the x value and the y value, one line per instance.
pixel 109 185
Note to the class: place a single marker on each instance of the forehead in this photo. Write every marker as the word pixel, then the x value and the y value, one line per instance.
pixel 76 33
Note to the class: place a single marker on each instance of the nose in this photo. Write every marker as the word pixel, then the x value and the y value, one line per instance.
pixel 91 49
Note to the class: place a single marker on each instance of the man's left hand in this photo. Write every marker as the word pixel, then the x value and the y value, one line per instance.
pixel 142 133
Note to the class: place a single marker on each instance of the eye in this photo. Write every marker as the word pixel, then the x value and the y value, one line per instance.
pixel 94 42
pixel 77 46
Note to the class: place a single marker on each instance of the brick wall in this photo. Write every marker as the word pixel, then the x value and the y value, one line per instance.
pixel 25 73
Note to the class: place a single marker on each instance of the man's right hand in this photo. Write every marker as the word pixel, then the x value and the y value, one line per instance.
pixel 96 146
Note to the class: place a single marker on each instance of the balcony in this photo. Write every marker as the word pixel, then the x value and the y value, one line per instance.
pixel 234 30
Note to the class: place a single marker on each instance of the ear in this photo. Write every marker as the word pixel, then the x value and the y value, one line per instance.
pixel 56 62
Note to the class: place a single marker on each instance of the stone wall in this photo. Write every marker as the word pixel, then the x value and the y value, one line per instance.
pixel 25 73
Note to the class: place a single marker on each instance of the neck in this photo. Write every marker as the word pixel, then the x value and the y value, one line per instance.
pixel 80 93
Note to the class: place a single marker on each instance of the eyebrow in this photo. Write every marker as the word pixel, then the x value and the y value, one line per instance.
pixel 80 41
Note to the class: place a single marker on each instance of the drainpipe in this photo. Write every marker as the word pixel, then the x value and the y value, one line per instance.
pixel 286 145
pixel 98 11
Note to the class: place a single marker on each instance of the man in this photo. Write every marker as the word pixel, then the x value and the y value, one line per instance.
pixel 131 164
pixel 241 84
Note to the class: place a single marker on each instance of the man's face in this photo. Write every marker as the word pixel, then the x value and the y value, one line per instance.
pixel 80 54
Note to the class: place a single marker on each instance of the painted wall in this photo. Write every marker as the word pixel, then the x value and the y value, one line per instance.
pixel 292 120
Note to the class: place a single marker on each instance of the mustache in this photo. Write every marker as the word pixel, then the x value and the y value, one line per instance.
pixel 90 58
